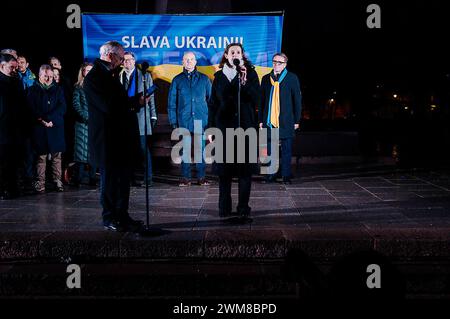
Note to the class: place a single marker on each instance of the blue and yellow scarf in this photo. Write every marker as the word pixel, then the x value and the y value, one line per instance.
pixel 273 117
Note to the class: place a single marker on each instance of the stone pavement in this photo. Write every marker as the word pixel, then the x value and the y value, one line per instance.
pixel 364 199
pixel 327 213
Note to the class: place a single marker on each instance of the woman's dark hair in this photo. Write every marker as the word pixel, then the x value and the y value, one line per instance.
pixel 224 60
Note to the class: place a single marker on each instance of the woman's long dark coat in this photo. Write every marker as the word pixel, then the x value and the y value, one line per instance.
pixel 80 106
pixel 223 114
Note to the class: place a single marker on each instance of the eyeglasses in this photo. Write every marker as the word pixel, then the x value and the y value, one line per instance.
pixel 278 62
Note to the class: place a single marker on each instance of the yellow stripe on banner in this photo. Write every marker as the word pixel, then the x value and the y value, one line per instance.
pixel 262 70
pixel 167 72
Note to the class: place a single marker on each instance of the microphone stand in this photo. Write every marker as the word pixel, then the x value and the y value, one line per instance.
pixel 240 219
pixel 147 231
pixel 239 97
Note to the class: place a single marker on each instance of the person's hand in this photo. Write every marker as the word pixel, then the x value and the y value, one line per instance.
pixel 210 138
pixel 243 75
pixel 143 101
pixel 153 122
pixel 260 126
pixel 296 126
pixel 174 126
pixel 47 124
pixel 243 70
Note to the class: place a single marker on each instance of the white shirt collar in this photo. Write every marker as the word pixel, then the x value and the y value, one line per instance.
pixel 129 72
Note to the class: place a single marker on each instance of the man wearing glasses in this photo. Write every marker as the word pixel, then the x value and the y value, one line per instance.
pixel 281 108
pixel 133 82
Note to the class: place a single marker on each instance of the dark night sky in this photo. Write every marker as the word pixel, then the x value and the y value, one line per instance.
pixel 327 41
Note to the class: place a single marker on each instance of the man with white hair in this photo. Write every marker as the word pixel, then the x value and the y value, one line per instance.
pixel 48 106
pixel 114 144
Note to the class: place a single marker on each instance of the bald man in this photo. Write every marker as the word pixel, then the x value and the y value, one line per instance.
pixel 188 102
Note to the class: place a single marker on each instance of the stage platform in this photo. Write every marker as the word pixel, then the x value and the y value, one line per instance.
pixel 300 236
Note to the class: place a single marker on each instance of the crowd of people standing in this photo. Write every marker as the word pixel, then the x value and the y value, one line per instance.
pixel 42 118
pixel 103 121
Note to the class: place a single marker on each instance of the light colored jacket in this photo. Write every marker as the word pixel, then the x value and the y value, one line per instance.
pixel 150 107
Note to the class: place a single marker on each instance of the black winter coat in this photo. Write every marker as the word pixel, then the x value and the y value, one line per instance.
pixel 223 114
pixel 290 103
pixel 113 125
pixel 48 105
pixel 13 122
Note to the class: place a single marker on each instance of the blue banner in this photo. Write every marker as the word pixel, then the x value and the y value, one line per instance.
pixel 161 40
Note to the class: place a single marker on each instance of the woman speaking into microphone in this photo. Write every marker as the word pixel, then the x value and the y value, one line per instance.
pixel 234 99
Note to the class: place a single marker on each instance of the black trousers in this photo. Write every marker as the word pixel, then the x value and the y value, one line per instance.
pixel 115 193
pixel 244 187
pixel 286 156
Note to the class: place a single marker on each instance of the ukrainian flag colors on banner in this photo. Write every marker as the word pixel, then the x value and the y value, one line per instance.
pixel 161 40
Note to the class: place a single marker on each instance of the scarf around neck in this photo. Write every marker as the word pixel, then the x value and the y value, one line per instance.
pixel 230 73
pixel 45 86
pixel 273 117
pixel 132 83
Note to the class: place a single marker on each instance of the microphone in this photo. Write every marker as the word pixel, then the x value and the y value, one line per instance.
pixel 237 63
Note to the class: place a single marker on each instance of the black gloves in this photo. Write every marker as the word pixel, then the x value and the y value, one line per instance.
pixel 153 121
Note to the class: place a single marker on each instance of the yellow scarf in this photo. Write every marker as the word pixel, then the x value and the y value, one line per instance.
pixel 275 107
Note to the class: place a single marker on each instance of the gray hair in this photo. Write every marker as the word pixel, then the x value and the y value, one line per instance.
pixel 110 47
pixel 282 55
pixel 45 67
pixel 6 58
pixel 9 51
